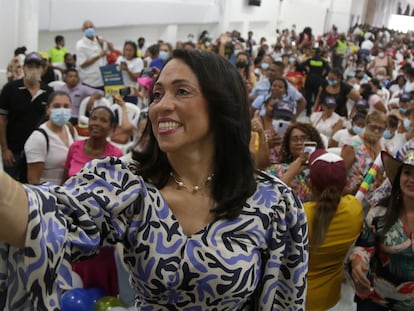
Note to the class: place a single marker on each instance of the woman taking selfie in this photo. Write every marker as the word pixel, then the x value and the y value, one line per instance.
pixel 199 227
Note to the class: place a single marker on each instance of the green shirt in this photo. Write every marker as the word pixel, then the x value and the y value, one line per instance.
pixel 57 55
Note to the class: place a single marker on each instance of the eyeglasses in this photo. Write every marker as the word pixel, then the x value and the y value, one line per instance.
pixel 299 139
pixel 375 128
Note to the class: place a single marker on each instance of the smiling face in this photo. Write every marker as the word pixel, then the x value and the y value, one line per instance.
pixel 100 123
pixel 179 112
pixel 407 182
pixel 278 88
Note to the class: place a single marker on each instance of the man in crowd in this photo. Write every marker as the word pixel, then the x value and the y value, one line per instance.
pixel 91 53
pixel 22 109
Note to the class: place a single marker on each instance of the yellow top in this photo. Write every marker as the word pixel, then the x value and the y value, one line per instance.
pixel 327 263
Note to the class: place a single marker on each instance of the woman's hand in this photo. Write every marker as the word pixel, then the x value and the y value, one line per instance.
pixel 118 100
pixel 274 140
pixel 359 276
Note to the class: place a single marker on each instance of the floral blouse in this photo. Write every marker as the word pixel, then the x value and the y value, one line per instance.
pixel 261 255
pixel 391 262
pixel 299 184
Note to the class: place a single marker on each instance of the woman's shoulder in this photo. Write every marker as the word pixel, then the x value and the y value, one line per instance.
pixel 112 150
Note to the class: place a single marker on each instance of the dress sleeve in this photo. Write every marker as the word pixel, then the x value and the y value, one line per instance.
pixel 92 209
pixel 286 266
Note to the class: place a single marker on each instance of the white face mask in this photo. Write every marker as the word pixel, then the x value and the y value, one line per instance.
pixel 381 54
pixel 33 75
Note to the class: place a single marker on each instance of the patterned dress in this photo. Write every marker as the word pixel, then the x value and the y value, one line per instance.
pixel 260 255
pixel 391 262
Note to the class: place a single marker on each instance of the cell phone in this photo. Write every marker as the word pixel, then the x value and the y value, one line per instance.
pixel 280 127
pixel 147 72
pixel 308 148
pixel 123 63
pixel 125 91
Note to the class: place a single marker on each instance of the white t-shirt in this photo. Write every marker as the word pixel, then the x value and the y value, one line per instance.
pixel 324 126
pixel 135 65
pixel 395 143
pixel 343 137
pixel 36 151
pixel 86 49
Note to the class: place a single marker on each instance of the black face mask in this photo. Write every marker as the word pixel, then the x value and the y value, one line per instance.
pixel 241 64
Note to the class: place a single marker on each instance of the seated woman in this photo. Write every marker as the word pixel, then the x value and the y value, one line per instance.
pixel 382 259
pixel 292 168
pixel 245 70
pixel 327 121
pixel 344 136
pixel 46 155
pixel 364 148
pixel 335 222
pixel 99 271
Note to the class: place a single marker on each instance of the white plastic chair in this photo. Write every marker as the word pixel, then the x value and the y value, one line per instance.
pixel 82 118
pixel 134 113
pixel 56 83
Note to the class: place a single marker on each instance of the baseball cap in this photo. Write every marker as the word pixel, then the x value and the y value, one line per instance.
pixel 34 58
pixel 283 110
pixel 326 170
pixel 405 97
pixel 330 101
pixel 146 82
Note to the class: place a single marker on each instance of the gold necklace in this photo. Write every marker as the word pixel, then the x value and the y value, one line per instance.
pixel 191 189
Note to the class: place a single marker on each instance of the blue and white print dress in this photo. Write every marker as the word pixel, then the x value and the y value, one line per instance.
pixel 217 268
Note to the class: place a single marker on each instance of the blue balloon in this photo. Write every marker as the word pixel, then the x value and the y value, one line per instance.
pixel 94 294
pixel 76 300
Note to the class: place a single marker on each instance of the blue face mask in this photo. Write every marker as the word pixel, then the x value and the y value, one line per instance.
pixel 264 66
pixel 332 82
pixel 407 125
pixel 403 110
pixel 60 116
pixel 207 43
pixel 164 55
pixel 357 130
pixel 387 134
pixel 292 59
pixel 90 32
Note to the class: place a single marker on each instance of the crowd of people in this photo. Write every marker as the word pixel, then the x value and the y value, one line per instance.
pixel 241 189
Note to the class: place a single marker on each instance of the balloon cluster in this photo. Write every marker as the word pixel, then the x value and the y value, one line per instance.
pixel 91 299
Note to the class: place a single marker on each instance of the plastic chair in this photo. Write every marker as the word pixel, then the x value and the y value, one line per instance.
pixel 56 83
pixel 83 119
pixel 134 113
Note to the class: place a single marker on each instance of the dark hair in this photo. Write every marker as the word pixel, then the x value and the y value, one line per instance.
pixel 366 91
pixel 394 206
pixel 112 120
pixel 58 38
pixel 57 93
pixel 224 90
pixel 284 83
pixel 134 46
pixel 359 115
pixel 337 72
pixel 246 69
pixel 71 69
pixel 325 209
pixel 154 50
pixel 310 130
pixel 20 50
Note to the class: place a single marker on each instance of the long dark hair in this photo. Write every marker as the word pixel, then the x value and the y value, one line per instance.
pixel 308 129
pixel 394 205
pixel 226 94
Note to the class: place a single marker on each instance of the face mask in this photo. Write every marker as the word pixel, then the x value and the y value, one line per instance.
pixel 60 116
pixel 357 130
pixel 292 59
pixel 241 64
pixel 387 134
pixel 207 44
pixel 33 75
pixel 407 125
pixel 371 136
pixel 90 32
pixel 236 52
pixel 264 66
pixel 332 82
pixel 381 54
pixel 380 77
pixel 403 110
pixel 164 55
